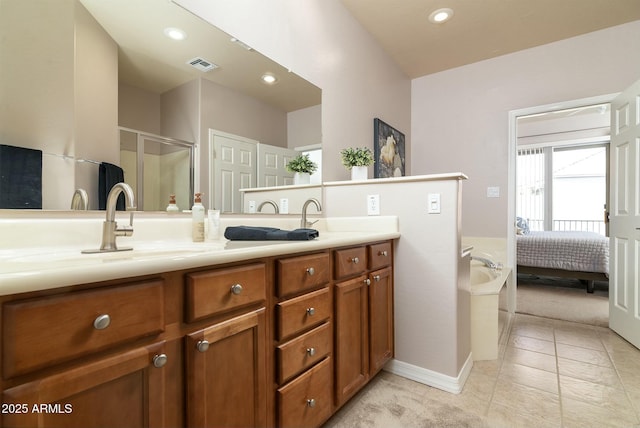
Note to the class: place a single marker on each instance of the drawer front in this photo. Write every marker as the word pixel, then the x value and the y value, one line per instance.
pixel 221 290
pixel 53 329
pixel 379 255
pixel 297 274
pixel 303 352
pixel 306 401
pixel 300 313
pixel 350 261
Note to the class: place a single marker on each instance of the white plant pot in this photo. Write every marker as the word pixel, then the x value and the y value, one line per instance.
pixel 301 178
pixel 359 172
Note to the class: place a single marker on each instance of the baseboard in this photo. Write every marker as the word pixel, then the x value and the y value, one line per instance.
pixel 438 380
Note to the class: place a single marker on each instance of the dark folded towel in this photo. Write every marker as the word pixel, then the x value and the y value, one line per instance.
pixel 20 177
pixel 108 176
pixel 255 233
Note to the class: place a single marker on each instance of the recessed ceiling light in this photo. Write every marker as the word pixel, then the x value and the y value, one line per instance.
pixel 175 33
pixel 269 79
pixel 441 15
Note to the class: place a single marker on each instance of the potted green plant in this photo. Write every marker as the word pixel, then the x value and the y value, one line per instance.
pixel 302 168
pixel 357 160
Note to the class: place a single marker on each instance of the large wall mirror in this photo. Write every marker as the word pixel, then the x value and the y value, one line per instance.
pixel 79 76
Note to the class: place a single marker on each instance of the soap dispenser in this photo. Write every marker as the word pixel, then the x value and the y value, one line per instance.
pixel 172 207
pixel 197 215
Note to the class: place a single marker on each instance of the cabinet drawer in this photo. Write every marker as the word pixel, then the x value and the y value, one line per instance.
pixel 301 273
pixel 222 290
pixel 303 312
pixel 303 351
pixel 350 261
pixel 306 401
pixel 49 330
pixel 379 255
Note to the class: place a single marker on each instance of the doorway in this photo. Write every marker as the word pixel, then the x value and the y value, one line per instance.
pixel 542 139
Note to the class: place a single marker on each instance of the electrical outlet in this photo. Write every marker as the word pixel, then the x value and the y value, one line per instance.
pixel 284 206
pixel 252 207
pixel 433 202
pixel 373 204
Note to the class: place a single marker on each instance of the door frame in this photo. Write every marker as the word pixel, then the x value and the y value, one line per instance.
pixel 511 183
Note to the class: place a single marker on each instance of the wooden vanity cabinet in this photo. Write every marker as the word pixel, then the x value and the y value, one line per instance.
pixel 226 361
pixel 364 317
pixel 304 346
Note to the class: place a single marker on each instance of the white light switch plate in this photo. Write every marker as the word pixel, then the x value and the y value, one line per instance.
pixel 493 192
pixel 433 202
pixel 373 204
pixel 284 206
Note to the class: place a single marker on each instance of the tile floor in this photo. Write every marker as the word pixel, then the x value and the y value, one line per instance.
pixel 549 374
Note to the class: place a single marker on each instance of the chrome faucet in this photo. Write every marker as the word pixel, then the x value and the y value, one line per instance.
pixel 110 228
pixel 303 222
pixel 269 202
pixel 488 263
pixel 80 200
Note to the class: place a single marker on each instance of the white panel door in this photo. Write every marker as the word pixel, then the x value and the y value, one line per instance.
pixel 624 229
pixel 234 167
pixel 272 163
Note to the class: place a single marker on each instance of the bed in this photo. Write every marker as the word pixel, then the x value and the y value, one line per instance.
pixel 581 255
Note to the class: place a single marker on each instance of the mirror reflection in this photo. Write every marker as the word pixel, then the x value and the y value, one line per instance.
pixel 106 78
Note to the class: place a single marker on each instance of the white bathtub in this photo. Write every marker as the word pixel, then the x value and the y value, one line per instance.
pixel 485 287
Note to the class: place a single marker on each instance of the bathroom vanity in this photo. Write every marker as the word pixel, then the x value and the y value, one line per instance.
pixel 254 334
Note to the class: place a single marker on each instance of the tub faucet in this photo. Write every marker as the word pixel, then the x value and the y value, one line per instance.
pixel 110 228
pixel 488 263
pixel 269 202
pixel 303 222
pixel 80 200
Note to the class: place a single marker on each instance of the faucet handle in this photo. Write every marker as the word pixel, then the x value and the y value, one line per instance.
pixel 311 223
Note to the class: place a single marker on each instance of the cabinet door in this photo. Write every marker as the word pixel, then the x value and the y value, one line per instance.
pixel 226 373
pixel 352 344
pixel 127 390
pixel 380 319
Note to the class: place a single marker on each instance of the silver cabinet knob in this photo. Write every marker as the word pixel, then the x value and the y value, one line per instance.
pixel 159 360
pixel 102 322
pixel 202 345
pixel 311 351
pixel 376 278
pixel 311 402
pixel 355 260
pixel 311 311
pixel 367 281
pixel 382 253
pixel 311 271
pixel 236 289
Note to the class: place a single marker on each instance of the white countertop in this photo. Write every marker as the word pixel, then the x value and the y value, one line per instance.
pixel 41 267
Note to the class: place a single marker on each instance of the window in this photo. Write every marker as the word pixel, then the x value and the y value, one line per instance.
pixel 563 187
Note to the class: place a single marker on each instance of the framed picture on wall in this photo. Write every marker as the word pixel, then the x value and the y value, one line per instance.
pixel 388 150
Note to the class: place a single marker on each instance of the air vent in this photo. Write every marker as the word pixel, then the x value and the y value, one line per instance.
pixel 202 64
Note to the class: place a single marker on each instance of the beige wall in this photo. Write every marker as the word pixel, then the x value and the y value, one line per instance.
pixel 321 42
pixel 460 116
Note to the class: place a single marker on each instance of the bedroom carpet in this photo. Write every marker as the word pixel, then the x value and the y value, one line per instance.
pixel 563 299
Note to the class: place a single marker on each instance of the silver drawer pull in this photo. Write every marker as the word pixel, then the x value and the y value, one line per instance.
pixel 367 281
pixel 376 278
pixel 236 289
pixel 311 351
pixel 311 402
pixel 311 271
pixel 159 360
pixel 102 322
pixel 382 253
pixel 202 345
pixel 355 260
pixel 311 311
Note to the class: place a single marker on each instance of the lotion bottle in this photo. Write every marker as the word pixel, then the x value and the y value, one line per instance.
pixel 197 215
pixel 172 207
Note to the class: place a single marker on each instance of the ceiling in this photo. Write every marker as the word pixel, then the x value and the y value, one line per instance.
pixel 479 29
pixel 149 60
